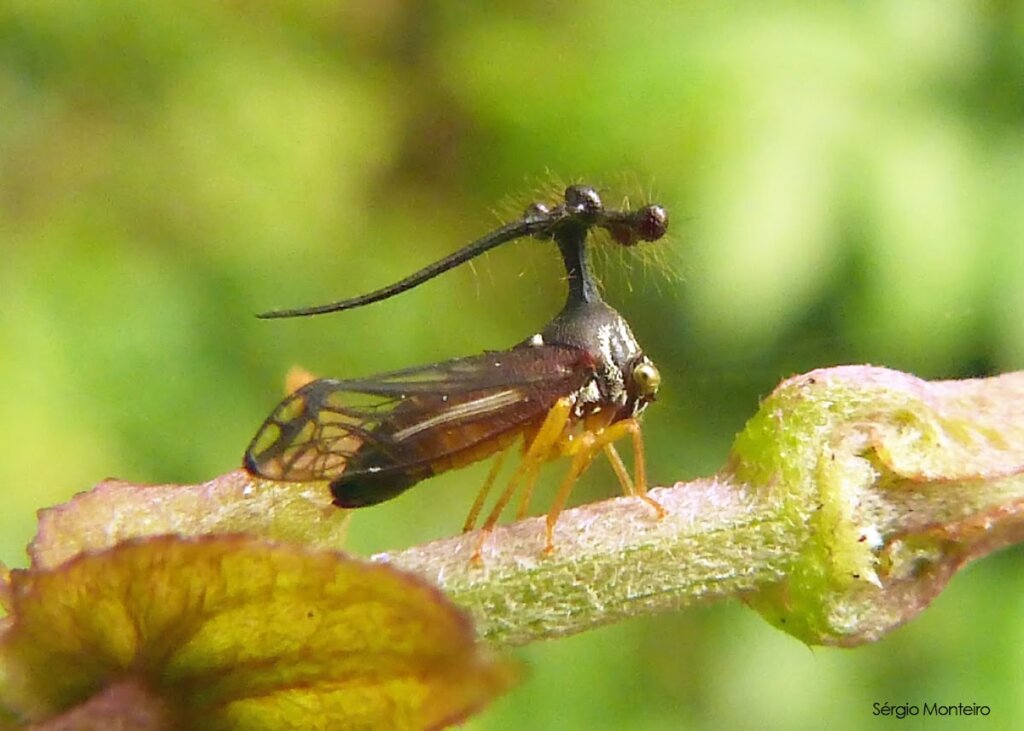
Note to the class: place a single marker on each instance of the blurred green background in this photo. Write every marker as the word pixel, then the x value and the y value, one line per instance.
pixel 846 185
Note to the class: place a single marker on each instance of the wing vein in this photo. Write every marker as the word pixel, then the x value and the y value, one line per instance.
pixel 458 412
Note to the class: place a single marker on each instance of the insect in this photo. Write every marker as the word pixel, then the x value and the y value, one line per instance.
pixel 571 390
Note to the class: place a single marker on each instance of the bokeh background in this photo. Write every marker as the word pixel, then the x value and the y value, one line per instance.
pixel 846 185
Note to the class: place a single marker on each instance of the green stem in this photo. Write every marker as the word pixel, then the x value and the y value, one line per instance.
pixel 612 560
pixel 847 503
pixel 849 500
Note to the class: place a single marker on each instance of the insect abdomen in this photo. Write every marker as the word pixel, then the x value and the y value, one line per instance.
pixel 475 453
pixel 362 488
pixel 359 491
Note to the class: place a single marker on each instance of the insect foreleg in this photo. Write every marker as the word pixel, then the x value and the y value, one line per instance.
pixel 640 468
pixel 628 486
pixel 637 486
pixel 583 448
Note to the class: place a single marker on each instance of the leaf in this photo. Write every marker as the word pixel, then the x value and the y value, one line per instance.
pixel 5 589
pixel 128 704
pixel 230 632
pixel 236 502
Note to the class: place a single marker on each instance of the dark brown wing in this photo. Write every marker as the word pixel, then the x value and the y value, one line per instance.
pixel 398 423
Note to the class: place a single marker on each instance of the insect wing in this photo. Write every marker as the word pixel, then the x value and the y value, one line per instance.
pixel 398 421
pixel 312 433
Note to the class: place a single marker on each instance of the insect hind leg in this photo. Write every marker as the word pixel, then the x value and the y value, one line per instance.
pixel 546 440
pixel 481 497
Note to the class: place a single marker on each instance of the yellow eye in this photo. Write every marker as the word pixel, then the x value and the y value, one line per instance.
pixel 647 379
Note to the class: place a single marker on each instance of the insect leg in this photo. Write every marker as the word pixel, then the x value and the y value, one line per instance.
pixel 583 454
pixel 637 487
pixel 546 439
pixel 620 469
pixel 474 511
pixel 640 466
pixel 583 449
pixel 524 500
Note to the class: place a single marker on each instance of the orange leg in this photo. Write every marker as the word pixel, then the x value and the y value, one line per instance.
pixel 482 495
pixel 639 466
pixel 583 448
pixel 586 449
pixel 524 498
pixel 546 440
pixel 620 469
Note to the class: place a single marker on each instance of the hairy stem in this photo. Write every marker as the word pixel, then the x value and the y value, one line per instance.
pixel 848 502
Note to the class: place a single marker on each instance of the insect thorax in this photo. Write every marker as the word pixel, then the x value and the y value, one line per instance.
pixel 606 336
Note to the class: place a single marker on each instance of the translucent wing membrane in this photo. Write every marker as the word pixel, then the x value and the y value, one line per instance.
pixel 412 423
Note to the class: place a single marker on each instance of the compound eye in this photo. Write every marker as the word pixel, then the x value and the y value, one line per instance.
pixel 647 379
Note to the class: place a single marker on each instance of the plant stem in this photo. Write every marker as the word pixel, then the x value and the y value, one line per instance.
pixel 612 560
pixel 848 501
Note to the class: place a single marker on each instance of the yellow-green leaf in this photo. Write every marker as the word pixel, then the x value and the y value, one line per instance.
pixel 232 632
